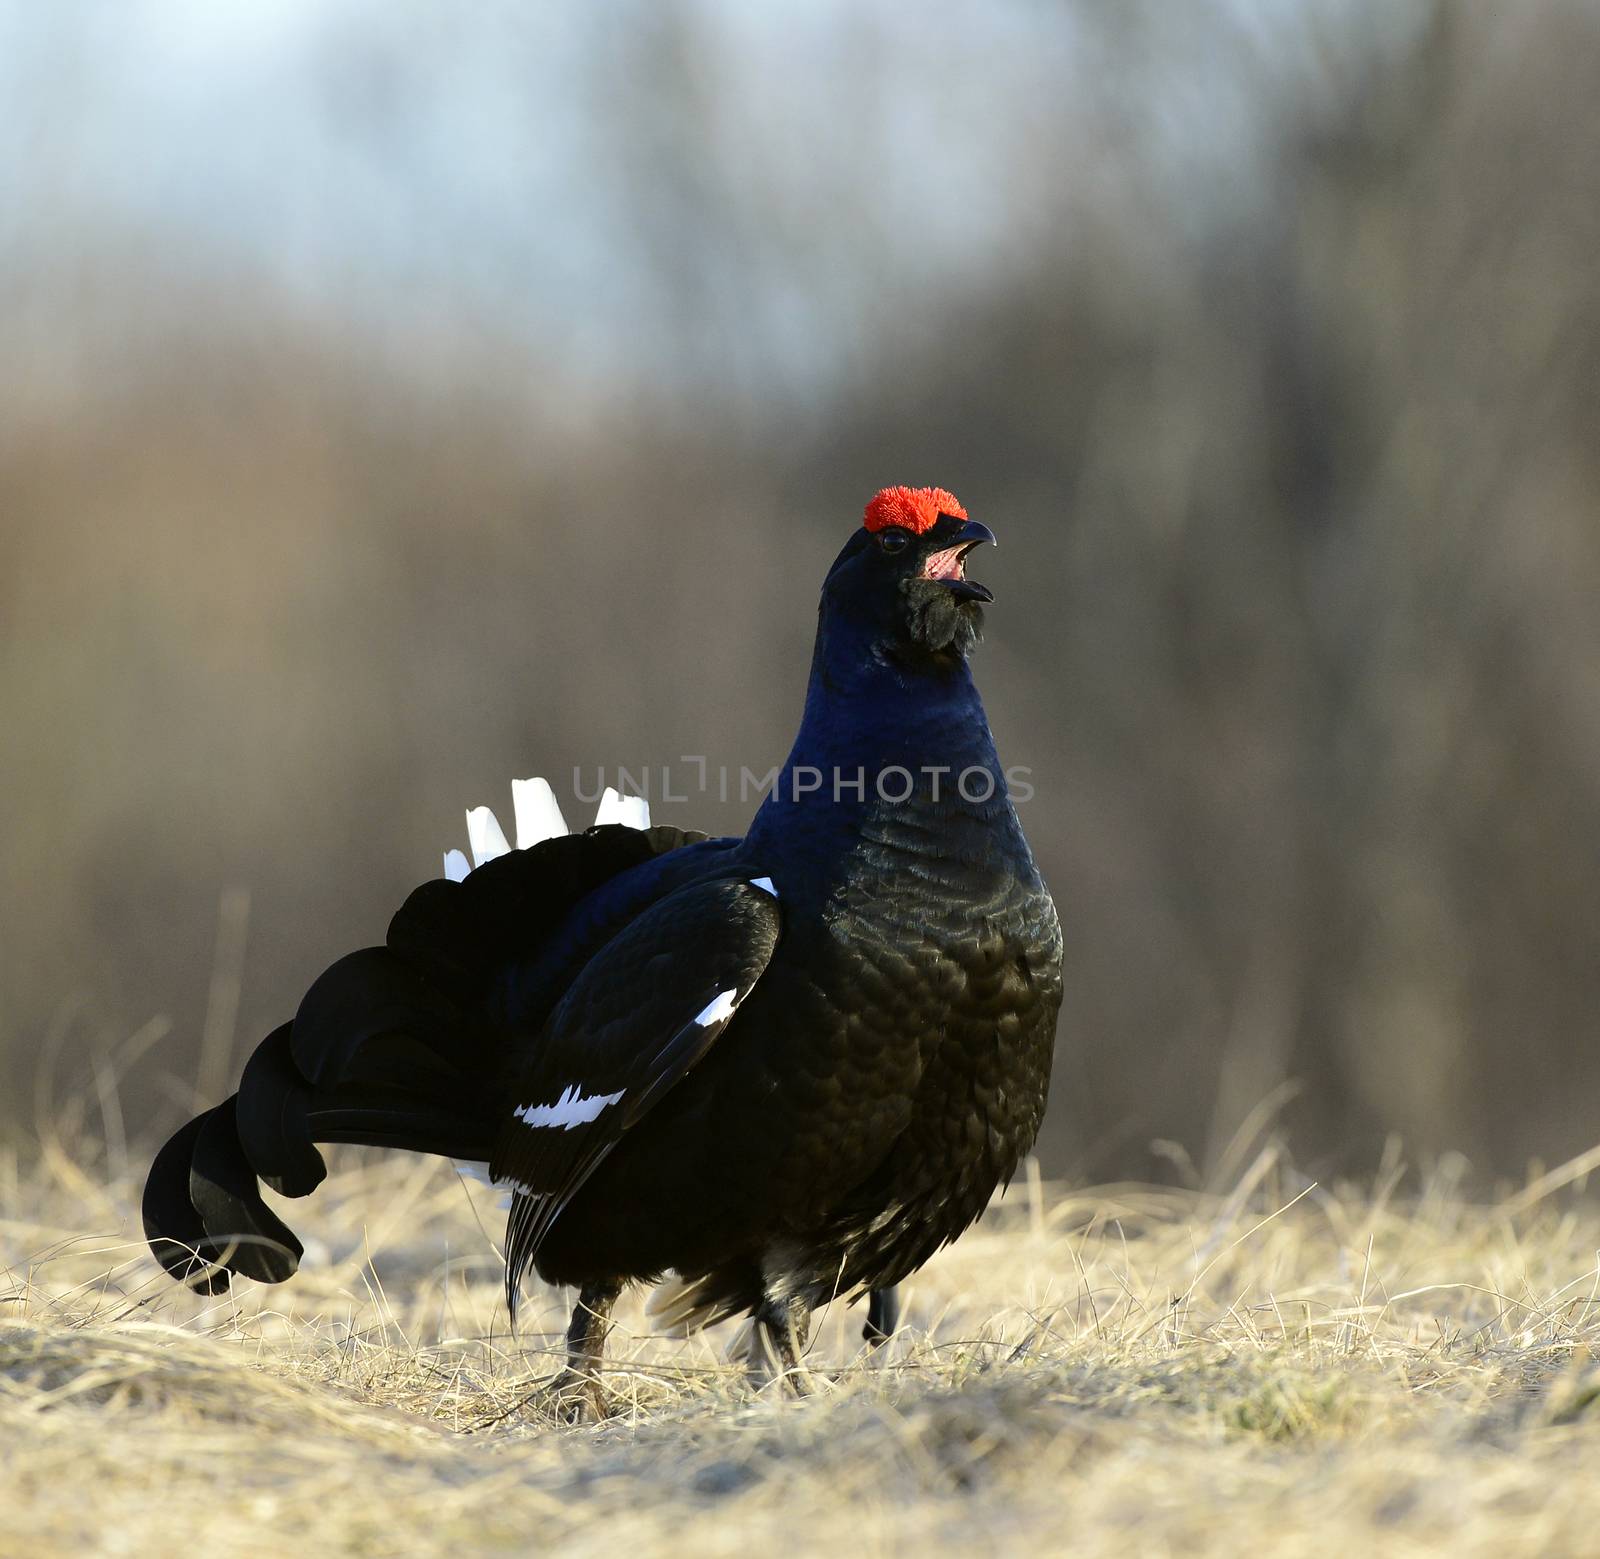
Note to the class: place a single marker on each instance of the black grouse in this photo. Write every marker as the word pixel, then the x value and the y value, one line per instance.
pixel 785 1068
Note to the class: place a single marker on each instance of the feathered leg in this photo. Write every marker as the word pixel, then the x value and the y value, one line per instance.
pixel 782 1326
pixel 883 1316
pixel 578 1390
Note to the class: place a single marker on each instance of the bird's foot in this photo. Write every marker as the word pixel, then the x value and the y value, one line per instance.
pixel 777 1341
pixel 770 1378
pixel 577 1398
pixel 796 1382
pixel 576 1395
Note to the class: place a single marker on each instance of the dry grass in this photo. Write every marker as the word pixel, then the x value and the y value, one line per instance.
pixel 1282 1368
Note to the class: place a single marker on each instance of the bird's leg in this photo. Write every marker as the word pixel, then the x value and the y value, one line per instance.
pixel 577 1390
pixel 782 1325
pixel 883 1316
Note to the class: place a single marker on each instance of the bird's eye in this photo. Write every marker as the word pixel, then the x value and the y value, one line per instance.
pixel 893 540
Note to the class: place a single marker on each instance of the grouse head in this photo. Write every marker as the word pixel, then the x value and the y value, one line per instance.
pixel 902 577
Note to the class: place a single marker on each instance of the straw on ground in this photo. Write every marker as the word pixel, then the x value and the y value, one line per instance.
pixel 1283 1367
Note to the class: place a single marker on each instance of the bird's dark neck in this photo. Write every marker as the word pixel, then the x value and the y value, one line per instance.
pixel 880 729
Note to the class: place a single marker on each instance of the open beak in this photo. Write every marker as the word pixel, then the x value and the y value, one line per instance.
pixel 949 564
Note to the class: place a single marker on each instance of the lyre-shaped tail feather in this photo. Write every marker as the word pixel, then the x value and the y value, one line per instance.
pixel 391 1047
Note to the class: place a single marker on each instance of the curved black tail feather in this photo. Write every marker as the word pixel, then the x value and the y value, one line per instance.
pixel 391 1047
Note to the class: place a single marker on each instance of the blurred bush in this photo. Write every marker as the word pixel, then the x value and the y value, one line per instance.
pixel 1265 337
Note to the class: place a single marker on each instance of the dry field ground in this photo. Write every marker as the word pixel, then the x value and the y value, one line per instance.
pixel 1281 1368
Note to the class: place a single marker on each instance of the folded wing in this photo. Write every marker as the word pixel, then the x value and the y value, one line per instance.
pixel 644 1011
